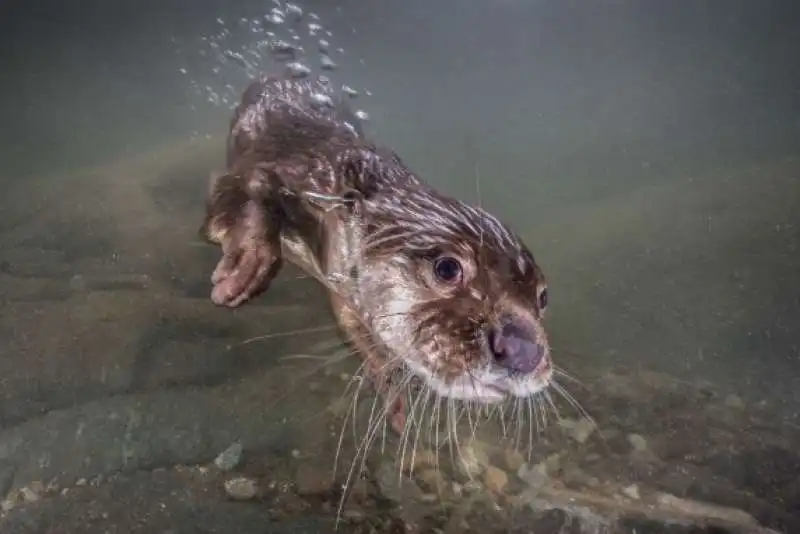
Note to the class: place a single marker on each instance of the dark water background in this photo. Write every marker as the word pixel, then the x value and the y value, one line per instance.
pixel 649 152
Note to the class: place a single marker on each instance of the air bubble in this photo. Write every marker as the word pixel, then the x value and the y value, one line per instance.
pixel 326 63
pixel 274 18
pixel 297 69
pixel 349 91
pixel 294 9
pixel 320 99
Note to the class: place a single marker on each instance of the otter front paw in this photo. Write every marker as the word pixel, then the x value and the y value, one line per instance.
pixel 246 268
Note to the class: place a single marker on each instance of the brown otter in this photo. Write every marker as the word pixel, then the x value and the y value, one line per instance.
pixel 417 280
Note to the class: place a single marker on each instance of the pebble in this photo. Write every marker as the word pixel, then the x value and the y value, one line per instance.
pixel 536 476
pixel 495 479
pixel 734 401
pixel 639 443
pixel 311 480
pixel 432 479
pixel 425 458
pixel 229 458
pixel 513 460
pixel 579 430
pixel 28 495
pixel 241 488
pixel 473 458
pixel 631 492
pixel 552 463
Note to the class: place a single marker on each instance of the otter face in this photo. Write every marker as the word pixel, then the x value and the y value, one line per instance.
pixel 455 296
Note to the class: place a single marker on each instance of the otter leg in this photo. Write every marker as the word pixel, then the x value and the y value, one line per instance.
pixel 241 217
pixel 376 368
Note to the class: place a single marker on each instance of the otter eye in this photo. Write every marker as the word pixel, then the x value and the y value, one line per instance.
pixel 447 269
pixel 543 299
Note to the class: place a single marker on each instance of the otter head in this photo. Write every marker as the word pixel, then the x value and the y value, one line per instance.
pixel 453 295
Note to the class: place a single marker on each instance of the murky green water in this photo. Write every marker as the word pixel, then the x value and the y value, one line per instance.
pixel 647 154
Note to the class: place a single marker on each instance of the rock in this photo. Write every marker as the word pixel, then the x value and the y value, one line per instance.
pixel 495 479
pixel 734 401
pixel 579 430
pixel 428 498
pixel 311 480
pixel 432 480
pixel 574 475
pixel 425 458
pixel 229 458
pixel 241 488
pixel 473 458
pixel 632 492
pixel 399 489
pixel 27 494
pixel 150 502
pixel 352 514
pixel 536 476
pixel 637 442
pixel 6 505
pixel 552 463
pixel 7 471
pixel 513 460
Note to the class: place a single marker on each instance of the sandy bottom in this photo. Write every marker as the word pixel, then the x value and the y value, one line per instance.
pixel 121 385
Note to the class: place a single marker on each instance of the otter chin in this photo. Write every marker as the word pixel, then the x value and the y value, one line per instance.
pixel 419 282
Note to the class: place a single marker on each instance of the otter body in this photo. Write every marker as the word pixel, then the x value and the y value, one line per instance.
pixel 419 282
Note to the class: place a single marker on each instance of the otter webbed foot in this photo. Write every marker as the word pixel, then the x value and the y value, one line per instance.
pixel 242 223
pixel 247 267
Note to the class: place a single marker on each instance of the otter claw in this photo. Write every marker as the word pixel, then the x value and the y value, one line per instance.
pixel 241 275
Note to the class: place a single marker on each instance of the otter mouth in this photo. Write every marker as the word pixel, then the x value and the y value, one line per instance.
pixel 490 384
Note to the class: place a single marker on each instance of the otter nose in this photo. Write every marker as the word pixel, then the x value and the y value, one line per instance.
pixel 515 348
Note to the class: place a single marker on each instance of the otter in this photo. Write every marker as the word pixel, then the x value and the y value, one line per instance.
pixel 418 281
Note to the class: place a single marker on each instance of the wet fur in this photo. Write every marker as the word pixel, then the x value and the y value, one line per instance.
pixel 302 184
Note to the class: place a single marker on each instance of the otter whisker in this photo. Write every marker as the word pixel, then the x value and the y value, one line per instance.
pixel 561 372
pixel 416 426
pixel 352 407
pixel 452 424
pixel 410 421
pixel 365 444
pixel 284 334
pixel 377 420
pixel 549 398
pixel 428 395
pixel 520 421
pixel 542 409
pixel 572 401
